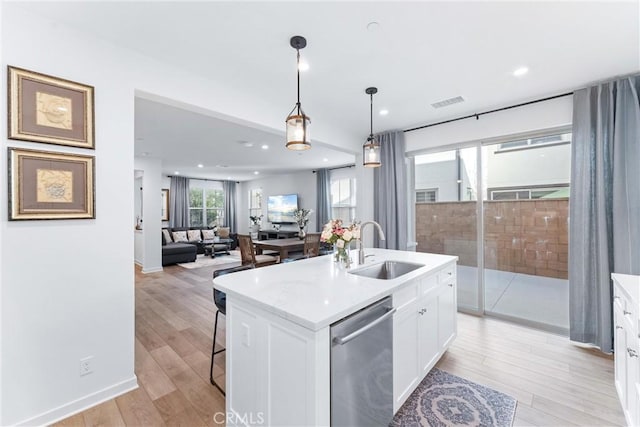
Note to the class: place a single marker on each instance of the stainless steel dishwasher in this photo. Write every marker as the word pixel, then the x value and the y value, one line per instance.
pixel 362 367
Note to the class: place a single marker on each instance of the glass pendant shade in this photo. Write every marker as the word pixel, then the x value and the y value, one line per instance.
pixel 371 153
pixel 298 137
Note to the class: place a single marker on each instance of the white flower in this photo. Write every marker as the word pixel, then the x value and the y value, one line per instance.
pixel 356 233
pixel 326 234
pixel 340 243
pixel 347 236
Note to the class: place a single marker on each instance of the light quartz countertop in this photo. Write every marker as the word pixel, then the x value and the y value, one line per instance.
pixel 631 285
pixel 315 292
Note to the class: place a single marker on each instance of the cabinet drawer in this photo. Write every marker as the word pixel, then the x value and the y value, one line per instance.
pixel 428 283
pixel 447 273
pixel 406 295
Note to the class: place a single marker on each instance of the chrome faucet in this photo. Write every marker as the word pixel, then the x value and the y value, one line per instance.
pixel 361 245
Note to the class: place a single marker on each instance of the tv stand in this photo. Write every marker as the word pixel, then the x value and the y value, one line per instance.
pixel 273 234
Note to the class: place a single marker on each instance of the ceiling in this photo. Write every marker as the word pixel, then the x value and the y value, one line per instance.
pixel 417 54
pixel 184 139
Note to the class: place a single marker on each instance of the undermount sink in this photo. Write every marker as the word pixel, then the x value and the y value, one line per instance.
pixel 387 270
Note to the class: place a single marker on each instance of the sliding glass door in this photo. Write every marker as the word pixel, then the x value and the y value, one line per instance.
pixel 446 191
pixel 513 198
pixel 526 219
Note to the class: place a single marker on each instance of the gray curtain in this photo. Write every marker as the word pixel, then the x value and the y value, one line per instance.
pixel 179 202
pixel 323 196
pixel 604 204
pixel 230 219
pixel 390 191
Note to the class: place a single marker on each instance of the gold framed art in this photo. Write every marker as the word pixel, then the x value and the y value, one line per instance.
pixel 48 109
pixel 165 205
pixel 46 185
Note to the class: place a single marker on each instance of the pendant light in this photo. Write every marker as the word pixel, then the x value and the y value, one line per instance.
pixel 371 148
pixel 298 122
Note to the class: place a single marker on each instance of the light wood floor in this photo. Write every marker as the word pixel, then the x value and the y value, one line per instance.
pixel 555 383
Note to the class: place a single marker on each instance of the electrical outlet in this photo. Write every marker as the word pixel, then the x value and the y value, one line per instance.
pixel 86 365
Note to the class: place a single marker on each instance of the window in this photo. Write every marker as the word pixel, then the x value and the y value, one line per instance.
pixel 543 141
pixel 206 203
pixel 255 202
pixel 427 196
pixel 529 193
pixel 343 199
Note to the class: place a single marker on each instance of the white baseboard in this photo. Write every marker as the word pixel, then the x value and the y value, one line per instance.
pixel 79 405
pixel 151 270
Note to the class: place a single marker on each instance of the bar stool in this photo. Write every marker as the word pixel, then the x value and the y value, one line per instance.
pixel 220 300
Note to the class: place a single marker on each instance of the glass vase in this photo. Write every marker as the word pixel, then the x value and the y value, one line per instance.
pixel 342 257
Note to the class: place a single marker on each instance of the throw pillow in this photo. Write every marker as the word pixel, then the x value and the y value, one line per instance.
pixel 208 234
pixel 167 236
pixel 180 236
pixel 193 235
pixel 223 232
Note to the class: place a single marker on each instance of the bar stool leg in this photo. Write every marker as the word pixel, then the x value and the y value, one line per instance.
pixel 214 352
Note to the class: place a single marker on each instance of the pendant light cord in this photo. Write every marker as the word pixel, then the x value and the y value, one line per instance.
pixel 298 70
pixel 371 121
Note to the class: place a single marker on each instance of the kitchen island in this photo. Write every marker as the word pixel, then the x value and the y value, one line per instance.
pixel 278 331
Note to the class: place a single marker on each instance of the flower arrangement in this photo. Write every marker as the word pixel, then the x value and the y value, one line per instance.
pixel 255 219
pixel 340 237
pixel 302 217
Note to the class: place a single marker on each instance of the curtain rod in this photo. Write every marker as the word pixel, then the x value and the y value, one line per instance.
pixel 337 167
pixel 203 179
pixel 477 115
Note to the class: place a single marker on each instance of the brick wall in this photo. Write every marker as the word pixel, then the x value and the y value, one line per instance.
pixel 522 236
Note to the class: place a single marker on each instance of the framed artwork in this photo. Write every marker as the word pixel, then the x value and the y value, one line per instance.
pixel 165 205
pixel 48 109
pixel 45 185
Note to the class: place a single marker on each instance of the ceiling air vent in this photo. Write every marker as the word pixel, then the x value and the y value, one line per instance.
pixel 447 102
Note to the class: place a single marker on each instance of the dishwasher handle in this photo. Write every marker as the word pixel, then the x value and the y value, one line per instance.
pixel 346 339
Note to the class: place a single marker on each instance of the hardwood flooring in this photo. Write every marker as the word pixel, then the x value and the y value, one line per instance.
pixel 555 382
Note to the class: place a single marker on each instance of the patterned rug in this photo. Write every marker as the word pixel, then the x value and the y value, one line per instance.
pixel 207 261
pixel 443 399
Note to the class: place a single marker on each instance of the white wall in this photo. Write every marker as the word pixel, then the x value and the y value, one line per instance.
pixel 302 183
pixel 151 209
pixel 531 118
pixel 67 285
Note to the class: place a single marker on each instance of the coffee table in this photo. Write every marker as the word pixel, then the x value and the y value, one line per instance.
pixel 219 246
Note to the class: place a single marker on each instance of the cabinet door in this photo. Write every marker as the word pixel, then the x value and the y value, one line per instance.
pixel 447 326
pixel 405 354
pixel 620 355
pixel 633 367
pixel 429 348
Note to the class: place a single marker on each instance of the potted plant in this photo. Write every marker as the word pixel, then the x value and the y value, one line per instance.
pixel 302 218
pixel 255 225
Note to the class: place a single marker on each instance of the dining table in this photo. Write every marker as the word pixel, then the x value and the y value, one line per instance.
pixel 283 246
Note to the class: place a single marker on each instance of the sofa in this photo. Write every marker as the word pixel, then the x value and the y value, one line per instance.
pixel 183 244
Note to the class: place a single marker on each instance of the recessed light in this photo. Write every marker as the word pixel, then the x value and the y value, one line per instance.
pixel 518 72
pixel 228 177
pixel 256 173
pixel 200 165
pixel 248 144
pixel 384 112
pixel 145 153
pixel 176 173
pixel 265 147
pixel 373 26
pixel 304 65
pixel 325 160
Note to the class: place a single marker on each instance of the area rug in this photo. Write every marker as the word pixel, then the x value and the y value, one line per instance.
pixel 443 399
pixel 206 261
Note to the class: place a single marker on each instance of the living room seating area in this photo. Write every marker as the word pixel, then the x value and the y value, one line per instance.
pixel 183 244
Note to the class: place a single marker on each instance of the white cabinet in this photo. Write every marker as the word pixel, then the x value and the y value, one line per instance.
pixel 423 328
pixel 626 304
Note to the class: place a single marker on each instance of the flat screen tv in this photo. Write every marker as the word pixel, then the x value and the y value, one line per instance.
pixel 280 208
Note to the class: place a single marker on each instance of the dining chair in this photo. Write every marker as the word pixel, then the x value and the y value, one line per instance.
pixel 248 255
pixel 311 245
pixel 220 300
